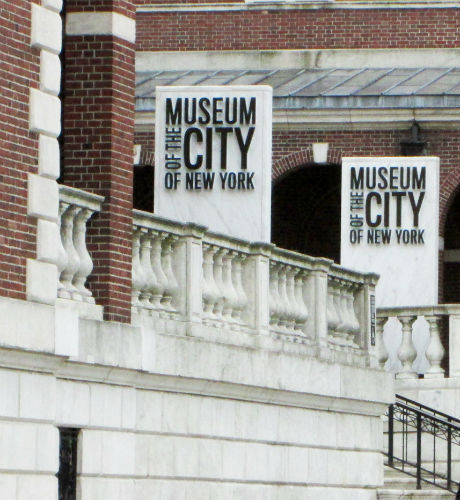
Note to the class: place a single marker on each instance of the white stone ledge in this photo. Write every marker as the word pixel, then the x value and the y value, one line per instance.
pixel 292 58
pixel 146 489
pixel 101 23
pixel 55 5
pixel 46 29
pixel 27 326
pixel 41 283
pixel 48 157
pixel 48 239
pixel 336 388
pixel 300 4
pixel 81 198
pixel 44 113
pixel 43 198
pixel 50 72
pixel 345 119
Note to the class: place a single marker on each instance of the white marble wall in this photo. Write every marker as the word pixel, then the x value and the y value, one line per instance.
pixel 167 416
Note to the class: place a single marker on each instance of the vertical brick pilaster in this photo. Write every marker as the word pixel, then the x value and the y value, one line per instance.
pixel 98 144
pixel 19 72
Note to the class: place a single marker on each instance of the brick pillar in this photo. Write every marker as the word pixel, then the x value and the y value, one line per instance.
pixel 19 72
pixel 98 130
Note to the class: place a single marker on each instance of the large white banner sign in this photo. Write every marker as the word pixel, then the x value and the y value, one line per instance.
pixel 390 225
pixel 213 158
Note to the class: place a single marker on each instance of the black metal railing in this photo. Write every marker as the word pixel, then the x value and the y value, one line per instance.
pixel 423 443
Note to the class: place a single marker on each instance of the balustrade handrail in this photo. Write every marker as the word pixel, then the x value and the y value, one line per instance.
pixel 298 259
pixel 74 262
pixel 79 197
pixel 427 422
pixel 218 281
pixel 438 309
pixel 353 276
pixel 438 415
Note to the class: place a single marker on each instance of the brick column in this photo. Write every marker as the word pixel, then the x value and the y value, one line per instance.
pixel 19 72
pixel 98 130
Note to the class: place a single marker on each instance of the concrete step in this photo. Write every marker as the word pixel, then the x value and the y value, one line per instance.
pixel 399 494
pixel 398 485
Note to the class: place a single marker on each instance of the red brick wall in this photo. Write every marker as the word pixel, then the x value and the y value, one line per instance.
pixel 141 3
pixel 98 153
pixel 301 29
pixel 124 7
pixel 288 147
pixel 442 143
pixel 292 149
pixel 19 71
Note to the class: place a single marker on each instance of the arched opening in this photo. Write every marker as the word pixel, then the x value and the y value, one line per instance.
pixel 451 265
pixel 306 211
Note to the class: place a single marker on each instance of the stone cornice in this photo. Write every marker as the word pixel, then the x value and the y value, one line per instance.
pixel 334 119
pixel 292 4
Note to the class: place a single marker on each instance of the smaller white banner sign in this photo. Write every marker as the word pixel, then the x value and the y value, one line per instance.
pixel 390 225
pixel 213 158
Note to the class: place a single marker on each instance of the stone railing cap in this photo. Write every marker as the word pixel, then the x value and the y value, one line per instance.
pixel 80 198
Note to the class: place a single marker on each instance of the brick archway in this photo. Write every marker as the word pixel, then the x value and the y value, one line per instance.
pixel 301 158
pixel 306 207
pixel 448 191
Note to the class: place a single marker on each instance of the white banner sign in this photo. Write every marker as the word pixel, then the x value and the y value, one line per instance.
pixel 213 158
pixel 390 225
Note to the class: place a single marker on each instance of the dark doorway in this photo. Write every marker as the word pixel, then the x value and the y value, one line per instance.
pixel 306 211
pixel 451 267
pixel 67 475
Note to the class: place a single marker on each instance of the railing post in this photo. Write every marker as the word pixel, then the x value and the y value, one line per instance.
pixel 318 306
pixel 258 286
pixel 419 451
pixel 449 457
pixel 194 273
pixel 390 435
pixel 367 316
pixel 407 352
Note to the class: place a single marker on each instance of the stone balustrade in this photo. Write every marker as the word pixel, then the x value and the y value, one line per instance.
pixel 345 308
pixel 74 262
pixel 207 282
pixel 423 331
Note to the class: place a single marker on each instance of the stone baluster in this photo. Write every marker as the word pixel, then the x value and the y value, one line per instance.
pixel 340 305
pixel 160 277
pixel 137 275
pixel 218 268
pixel 171 281
pixel 333 318
pixel 291 311
pixel 301 307
pixel 435 350
pixel 85 262
pixel 275 299
pixel 407 352
pixel 210 292
pixel 73 260
pixel 241 296
pixel 148 276
pixel 284 301
pixel 381 351
pixel 354 326
pixel 62 255
pixel 230 297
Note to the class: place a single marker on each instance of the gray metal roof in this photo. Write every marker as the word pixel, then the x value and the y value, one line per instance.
pixel 323 88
